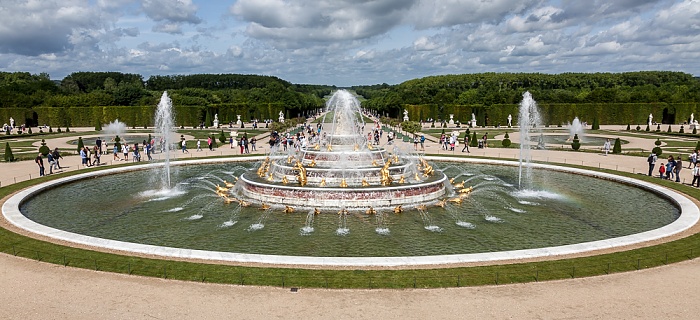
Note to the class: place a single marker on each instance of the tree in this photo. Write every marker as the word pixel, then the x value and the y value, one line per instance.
pixel 506 141
pixel 628 127
pixel 473 142
pixel 98 125
pixel 595 125
pixel 410 126
pixel 207 119
pixel 8 153
pixel 617 148
pixel 576 144
pixel 44 149
pixel 658 127
pixel 681 130
pixel 669 129
pixel 647 129
pixel 80 144
pixel 222 137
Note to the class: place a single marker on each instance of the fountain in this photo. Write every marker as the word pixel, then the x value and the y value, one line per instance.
pixel 114 128
pixel 164 125
pixel 528 119
pixel 576 128
pixel 347 173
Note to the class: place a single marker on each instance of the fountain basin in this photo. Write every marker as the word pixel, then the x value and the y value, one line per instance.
pixel 689 215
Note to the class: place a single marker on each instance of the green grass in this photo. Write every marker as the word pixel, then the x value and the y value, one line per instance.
pixel 679 250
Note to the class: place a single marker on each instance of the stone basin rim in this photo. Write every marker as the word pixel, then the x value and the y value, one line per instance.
pixel 689 216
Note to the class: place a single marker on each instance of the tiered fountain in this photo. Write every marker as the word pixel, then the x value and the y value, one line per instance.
pixel 340 169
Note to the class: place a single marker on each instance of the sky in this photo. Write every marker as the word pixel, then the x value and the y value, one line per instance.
pixel 348 42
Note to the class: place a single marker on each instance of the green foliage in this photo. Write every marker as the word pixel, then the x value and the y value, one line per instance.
pixel 9 157
pixel 628 127
pixel 444 124
pixel 695 130
pixel 595 125
pixel 657 142
pixel 681 130
pixel 67 129
pixel 222 137
pixel 117 142
pixel 697 146
pixel 638 128
pixel 506 141
pixel 658 151
pixel 473 142
pixel 29 131
pixel 669 128
pixel 658 127
pixel 80 143
pixel 207 119
pixel 98 125
pixel 647 129
pixel 617 148
pixel 576 144
pixel 44 149
pixel 410 126
pixel 432 124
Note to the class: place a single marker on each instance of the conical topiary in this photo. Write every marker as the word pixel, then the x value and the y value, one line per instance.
pixel 595 125
pixel 80 144
pixel 222 137
pixel 647 129
pixel 669 129
pixel 658 128
pixel 617 148
pixel 506 141
pixel 576 144
pixel 681 130
pixel 8 153
pixel 44 149
pixel 29 131
pixel 117 143
pixel 628 127
pixel 473 143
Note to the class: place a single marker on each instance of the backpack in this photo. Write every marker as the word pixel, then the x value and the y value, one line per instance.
pixel 651 158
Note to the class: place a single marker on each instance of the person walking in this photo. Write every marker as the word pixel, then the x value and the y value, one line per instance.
pixel 422 142
pixel 677 168
pixel 693 159
pixel 40 162
pixel 125 151
pixel 56 156
pixel 253 141
pixel 49 159
pixel 662 171
pixel 466 143
pixel 245 144
pixel 652 162
pixel 184 146
pixel 199 145
pixel 606 146
pixel 696 176
pixel 209 143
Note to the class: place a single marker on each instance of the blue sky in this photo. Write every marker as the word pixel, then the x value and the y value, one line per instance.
pixel 348 42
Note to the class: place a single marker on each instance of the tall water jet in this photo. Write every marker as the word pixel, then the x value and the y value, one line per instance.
pixel 163 126
pixel 529 120
pixel 115 128
pixel 576 128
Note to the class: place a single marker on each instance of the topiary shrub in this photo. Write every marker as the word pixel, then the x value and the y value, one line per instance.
pixel 506 141
pixel 638 128
pixel 576 144
pixel 98 125
pixel 432 124
pixel 473 143
pixel 8 153
pixel 669 129
pixel 117 143
pixel 51 130
pixel 647 129
pixel 617 148
pixel 628 127
pixel 657 151
pixel 444 124
pixel 44 150
pixel 80 144
pixel 658 128
pixel 222 137
pixel 697 146
pixel 595 125
pixel 695 130
pixel 67 129
pixel 681 130
pixel 29 131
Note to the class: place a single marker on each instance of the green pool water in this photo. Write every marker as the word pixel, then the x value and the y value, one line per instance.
pixel 560 209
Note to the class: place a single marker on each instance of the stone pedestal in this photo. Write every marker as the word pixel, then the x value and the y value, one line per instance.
pixel 452 120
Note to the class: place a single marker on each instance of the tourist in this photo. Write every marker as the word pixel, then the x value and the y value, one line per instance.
pixel 662 171
pixel 670 167
pixel 466 142
pixel 210 143
pixel 677 168
pixel 453 140
pixel 199 144
pixel 253 141
pixel 83 157
pixel 184 145
pixel 137 156
pixel 693 159
pixel 484 138
pixel 415 143
pixel 422 142
pixel 40 162
pixel 116 152
pixel 230 141
pixel 240 145
pixel 98 144
pixel 652 161
pixel 606 146
pixel 148 148
pixel 696 175
pixel 96 155
pixel 56 156
pixel 49 159
pixel 88 156
pixel 125 151
pixel 245 143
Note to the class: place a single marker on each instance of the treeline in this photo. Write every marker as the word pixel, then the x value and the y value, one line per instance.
pixel 492 89
pixel 205 92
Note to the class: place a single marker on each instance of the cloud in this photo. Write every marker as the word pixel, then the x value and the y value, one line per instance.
pixel 171 11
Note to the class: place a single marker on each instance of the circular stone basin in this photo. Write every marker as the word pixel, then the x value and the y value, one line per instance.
pixel 566 140
pixel 130 139
pixel 564 212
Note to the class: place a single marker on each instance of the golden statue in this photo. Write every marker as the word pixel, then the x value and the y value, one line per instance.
pixel 288 209
pixel 398 209
pixel 263 167
pixel 365 183
pixel 356 147
pixel 369 146
pixel 441 203
pixel 427 168
pixel 459 185
pixel 396 158
pixel 312 163
pixel 322 183
pixel 270 178
pixel 374 163
pixel 452 180
pixel 371 211
pixel 416 177
pixel 317 147
pixel 456 200
pixel 289 159
pixel 228 184
pixel 343 211
pixel 302 173
pixel 386 179
pixel 316 211
pixel 264 206
pixel 421 207
pixel 343 183
pixel 466 190
pixel 329 147
pixel 285 180
pixel 243 203
pixel 402 179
